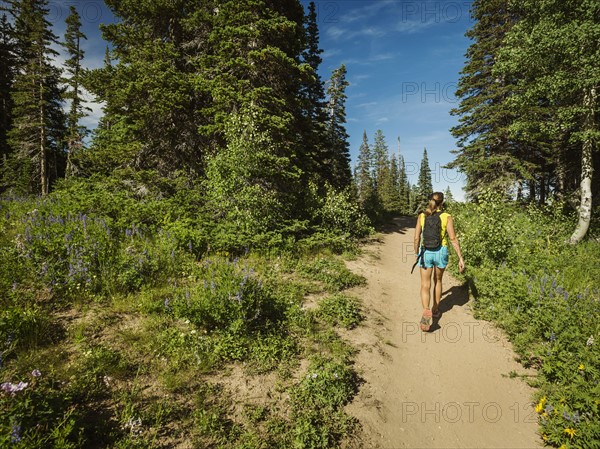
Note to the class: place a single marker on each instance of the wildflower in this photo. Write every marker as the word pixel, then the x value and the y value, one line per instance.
pixel 540 406
pixel 13 388
pixel 590 341
pixel 167 306
pixel 552 337
pixel 581 367
pixel 570 431
pixel 15 434
pixel 548 409
pixel 314 375
pixel 36 373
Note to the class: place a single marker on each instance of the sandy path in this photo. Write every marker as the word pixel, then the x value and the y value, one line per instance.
pixel 444 389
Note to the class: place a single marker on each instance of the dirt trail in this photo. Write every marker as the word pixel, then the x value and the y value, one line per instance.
pixel 444 389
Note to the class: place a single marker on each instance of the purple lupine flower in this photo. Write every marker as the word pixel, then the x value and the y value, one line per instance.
pixel 190 247
pixel 36 373
pixel 566 296
pixel 576 418
pixel 15 434
pixel 167 306
pixel 552 337
pixel 9 387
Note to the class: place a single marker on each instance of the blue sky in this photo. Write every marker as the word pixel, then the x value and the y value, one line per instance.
pixel 403 60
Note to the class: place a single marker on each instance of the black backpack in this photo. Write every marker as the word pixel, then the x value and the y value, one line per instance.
pixel 432 231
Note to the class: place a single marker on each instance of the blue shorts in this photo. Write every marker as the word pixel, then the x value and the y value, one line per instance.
pixel 437 258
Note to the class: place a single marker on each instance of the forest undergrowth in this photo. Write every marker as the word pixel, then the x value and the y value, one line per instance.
pixel 544 293
pixel 125 312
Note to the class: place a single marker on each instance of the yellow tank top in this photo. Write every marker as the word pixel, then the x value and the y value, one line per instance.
pixel 444 221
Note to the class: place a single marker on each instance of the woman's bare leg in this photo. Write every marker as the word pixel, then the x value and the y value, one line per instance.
pixel 426 287
pixel 437 287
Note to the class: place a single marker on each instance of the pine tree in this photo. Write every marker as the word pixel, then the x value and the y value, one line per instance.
pixel 150 103
pixel 7 75
pixel 74 70
pixel 364 178
pixel 314 89
pixel 393 202
pixel 37 134
pixel 404 188
pixel 317 150
pixel 560 87
pixel 486 153
pixel 448 197
pixel 380 159
pixel 338 137
pixel 424 186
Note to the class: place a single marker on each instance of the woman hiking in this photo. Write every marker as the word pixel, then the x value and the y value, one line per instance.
pixel 434 228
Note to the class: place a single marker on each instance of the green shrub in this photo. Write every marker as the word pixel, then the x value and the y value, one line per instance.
pixel 331 272
pixel 340 310
pixel 544 293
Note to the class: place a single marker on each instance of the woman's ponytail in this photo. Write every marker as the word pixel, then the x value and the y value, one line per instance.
pixel 435 201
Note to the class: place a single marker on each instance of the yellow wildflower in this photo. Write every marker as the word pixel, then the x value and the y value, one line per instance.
pixel 564 446
pixel 569 431
pixel 581 367
pixel 540 407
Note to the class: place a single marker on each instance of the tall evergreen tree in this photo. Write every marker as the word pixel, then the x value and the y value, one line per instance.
pixel 448 197
pixel 7 74
pixel 562 84
pixel 336 129
pixel 403 188
pixel 486 153
pixel 314 89
pixel 424 186
pixel 382 174
pixel 74 70
pixel 150 101
pixel 380 159
pixel 317 150
pixel 364 178
pixel 37 134
pixel 391 192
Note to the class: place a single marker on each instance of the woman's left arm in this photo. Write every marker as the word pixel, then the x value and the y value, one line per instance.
pixel 417 234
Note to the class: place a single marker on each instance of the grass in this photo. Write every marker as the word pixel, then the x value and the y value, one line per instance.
pixel 544 294
pixel 140 360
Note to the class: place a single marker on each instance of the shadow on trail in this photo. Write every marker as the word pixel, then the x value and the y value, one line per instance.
pixel 454 296
pixel 397 225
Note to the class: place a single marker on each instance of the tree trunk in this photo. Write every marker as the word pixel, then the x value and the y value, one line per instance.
pixel 587 168
pixel 43 162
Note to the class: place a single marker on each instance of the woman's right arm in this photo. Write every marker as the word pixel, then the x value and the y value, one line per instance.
pixel 455 244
